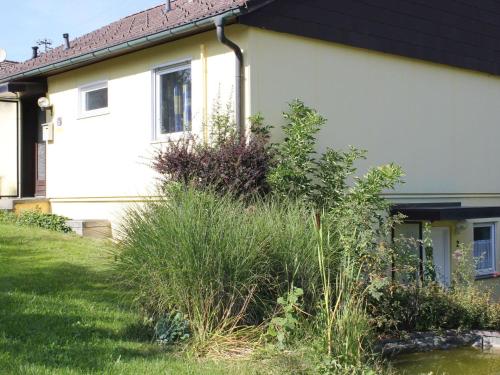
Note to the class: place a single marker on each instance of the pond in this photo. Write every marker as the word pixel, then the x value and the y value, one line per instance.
pixel 453 362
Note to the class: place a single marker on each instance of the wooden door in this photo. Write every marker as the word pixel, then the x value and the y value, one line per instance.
pixel 41 169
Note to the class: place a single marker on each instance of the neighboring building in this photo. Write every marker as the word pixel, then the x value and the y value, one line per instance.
pixel 7 65
pixel 414 82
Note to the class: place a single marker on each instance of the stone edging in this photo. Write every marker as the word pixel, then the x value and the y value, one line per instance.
pixel 427 341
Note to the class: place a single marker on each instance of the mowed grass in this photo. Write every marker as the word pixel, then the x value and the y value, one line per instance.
pixel 60 313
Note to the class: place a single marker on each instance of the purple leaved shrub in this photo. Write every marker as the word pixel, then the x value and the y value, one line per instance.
pixel 234 164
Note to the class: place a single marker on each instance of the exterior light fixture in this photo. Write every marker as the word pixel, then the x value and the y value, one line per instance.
pixel 44 103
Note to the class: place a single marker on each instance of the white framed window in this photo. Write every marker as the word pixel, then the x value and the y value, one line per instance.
pixel 93 99
pixel 172 100
pixel 484 248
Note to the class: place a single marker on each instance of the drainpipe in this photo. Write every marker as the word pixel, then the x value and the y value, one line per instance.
pixel 238 95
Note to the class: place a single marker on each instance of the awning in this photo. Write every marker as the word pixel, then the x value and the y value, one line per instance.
pixel 444 211
pixel 25 88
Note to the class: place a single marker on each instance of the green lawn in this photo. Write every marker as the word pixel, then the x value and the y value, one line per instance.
pixel 61 314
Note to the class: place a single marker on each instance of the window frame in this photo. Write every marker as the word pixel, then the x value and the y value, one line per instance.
pixel 492 226
pixel 82 97
pixel 157 73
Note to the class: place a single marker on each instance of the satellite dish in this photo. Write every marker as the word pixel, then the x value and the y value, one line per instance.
pixel 3 55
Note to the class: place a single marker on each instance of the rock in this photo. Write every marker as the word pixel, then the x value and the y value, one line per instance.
pixel 427 341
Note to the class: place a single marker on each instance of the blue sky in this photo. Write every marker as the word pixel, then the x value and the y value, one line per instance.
pixel 25 21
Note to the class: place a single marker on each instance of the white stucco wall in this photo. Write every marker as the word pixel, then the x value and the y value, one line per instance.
pixel 97 165
pixel 441 124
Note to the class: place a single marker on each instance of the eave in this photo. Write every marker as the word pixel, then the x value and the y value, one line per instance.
pixel 102 54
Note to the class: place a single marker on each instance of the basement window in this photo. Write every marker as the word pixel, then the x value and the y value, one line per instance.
pixel 173 99
pixel 484 248
pixel 93 99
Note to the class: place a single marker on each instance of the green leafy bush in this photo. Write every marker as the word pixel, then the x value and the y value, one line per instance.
pixel 292 177
pixel 7 217
pixel 35 218
pixel 285 324
pixel 426 305
pixel 171 329
pixel 410 308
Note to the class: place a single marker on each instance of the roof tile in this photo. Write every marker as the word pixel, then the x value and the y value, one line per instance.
pixel 137 25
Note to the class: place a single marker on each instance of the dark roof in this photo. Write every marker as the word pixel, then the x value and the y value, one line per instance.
pixel 148 22
pixel 461 33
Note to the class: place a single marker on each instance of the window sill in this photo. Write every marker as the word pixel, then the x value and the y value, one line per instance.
pixel 171 137
pixel 493 275
pixel 92 114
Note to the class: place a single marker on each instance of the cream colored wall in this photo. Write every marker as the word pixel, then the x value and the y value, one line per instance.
pixel 8 148
pixel 106 157
pixel 441 124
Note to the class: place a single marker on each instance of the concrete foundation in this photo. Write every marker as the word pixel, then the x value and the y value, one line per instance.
pixel 91 228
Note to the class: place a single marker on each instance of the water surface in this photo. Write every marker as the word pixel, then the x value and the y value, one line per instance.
pixel 452 362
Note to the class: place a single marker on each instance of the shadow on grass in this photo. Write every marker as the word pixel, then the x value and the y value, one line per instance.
pixel 62 315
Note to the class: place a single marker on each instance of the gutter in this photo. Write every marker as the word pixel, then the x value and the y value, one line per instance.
pixel 239 69
pixel 126 47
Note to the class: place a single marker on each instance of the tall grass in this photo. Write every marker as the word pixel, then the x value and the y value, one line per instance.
pixel 344 322
pixel 218 261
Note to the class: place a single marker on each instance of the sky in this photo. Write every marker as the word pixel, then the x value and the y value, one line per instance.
pixel 26 21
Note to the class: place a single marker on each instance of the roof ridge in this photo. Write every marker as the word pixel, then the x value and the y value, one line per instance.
pixel 137 13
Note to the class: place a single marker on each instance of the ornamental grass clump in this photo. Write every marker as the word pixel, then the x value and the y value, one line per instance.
pixel 219 262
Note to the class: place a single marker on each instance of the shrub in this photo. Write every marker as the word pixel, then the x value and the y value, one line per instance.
pixel 36 218
pixel 425 306
pixel 171 329
pixel 7 217
pixel 293 174
pixel 298 173
pixel 230 164
pixel 283 327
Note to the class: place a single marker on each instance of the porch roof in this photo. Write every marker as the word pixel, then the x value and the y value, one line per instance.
pixel 445 211
pixel 30 88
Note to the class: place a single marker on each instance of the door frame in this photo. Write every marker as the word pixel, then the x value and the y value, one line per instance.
pixel 31 119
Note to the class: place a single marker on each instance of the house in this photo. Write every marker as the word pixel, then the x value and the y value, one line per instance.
pixel 411 81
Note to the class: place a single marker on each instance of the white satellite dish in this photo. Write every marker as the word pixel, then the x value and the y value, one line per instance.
pixel 3 55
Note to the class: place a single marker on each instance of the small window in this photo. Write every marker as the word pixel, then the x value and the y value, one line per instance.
pixel 484 248
pixel 173 100
pixel 94 99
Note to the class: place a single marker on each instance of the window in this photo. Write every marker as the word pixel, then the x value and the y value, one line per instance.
pixel 173 99
pixel 94 99
pixel 484 248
